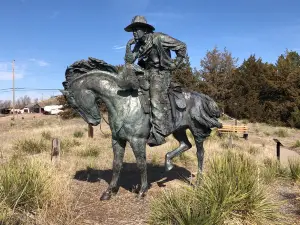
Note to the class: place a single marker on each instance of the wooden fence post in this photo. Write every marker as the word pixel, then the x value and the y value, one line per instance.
pixel 230 141
pixel 90 131
pixel 55 151
pixel 278 144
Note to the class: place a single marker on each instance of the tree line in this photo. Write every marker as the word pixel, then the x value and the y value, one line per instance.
pixel 255 90
pixel 20 103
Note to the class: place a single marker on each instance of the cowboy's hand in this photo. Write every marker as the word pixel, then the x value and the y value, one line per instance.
pixel 131 41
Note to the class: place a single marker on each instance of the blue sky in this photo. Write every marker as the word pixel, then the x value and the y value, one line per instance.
pixel 44 37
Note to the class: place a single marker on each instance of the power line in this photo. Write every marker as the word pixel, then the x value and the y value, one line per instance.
pixel 7 91
pixel 34 89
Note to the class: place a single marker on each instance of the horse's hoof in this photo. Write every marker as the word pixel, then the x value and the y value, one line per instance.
pixel 142 193
pixel 105 196
pixel 168 165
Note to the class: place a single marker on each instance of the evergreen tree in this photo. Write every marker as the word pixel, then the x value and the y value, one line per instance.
pixel 217 69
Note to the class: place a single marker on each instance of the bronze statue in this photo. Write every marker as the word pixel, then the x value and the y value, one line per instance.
pixel 153 51
pixel 91 81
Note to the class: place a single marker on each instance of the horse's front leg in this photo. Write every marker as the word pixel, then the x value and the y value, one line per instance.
pixel 138 146
pixel 119 149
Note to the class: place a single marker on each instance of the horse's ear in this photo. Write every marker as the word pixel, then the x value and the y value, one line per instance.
pixel 65 93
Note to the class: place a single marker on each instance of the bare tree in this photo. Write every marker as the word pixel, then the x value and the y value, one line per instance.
pixel 23 101
pixel 5 104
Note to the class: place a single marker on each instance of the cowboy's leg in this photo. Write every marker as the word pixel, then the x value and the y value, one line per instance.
pixel 160 109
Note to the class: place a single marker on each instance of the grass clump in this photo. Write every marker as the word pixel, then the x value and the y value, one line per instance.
pixel 155 160
pixel 39 123
pixel 229 193
pixel 190 137
pixel 24 184
pixel 67 145
pixel 78 134
pixel 253 150
pixel 46 135
pixel 297 144
pixel 273 169
pixel 89 151
pixel 29 187
pixel 31 146
pixel 281 133
pixel 294 166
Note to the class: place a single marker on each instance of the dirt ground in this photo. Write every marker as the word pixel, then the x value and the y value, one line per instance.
pixel 89 177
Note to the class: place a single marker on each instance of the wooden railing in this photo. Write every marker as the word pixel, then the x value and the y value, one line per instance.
pixel 234 129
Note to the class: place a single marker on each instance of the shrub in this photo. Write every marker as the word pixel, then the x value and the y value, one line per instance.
pixel 273 169
pixel 294 165
pixel 31 146
pixel 66 144
pixel 78 134
pixel 25 185
pixel 294 120
pixel 31 187
pixel 297 144
pixel 155 160
pixel 281 133
pixel 89 151
pixel 253 150
pixel 229 192
pixel 47 135
pixel 68 113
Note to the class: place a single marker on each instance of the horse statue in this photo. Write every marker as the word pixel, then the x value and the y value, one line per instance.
pixel 91 81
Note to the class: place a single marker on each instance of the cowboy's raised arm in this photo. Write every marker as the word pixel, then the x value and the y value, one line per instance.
pixel 131 56
pixel 174 45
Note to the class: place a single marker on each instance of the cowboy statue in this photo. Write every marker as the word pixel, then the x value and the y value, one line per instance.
pixel 153 51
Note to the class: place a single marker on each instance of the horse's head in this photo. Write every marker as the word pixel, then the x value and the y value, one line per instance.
pixel 84 102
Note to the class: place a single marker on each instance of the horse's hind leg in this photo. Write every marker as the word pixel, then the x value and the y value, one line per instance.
pixel 119 149
pixel 200 133
pixel 180 136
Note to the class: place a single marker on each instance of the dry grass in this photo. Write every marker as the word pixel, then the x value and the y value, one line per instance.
pixel 229 192
pixel 78 134
pixel 32 138
pixel 33 192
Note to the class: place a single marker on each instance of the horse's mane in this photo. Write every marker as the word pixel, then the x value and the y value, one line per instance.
pixel 81 67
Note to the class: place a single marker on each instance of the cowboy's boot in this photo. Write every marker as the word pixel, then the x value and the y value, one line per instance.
pixel 155 139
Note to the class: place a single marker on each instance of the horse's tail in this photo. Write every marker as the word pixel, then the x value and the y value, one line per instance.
pixel 206 111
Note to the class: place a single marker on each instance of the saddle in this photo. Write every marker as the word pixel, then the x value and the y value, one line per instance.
pixel 176 97
pixel 135 79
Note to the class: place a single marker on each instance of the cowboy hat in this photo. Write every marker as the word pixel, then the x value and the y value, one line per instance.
pixel 138 21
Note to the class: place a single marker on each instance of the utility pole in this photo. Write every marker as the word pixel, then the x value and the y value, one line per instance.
pixel 13 80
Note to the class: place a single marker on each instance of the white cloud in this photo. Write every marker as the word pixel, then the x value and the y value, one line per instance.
pixel 6 71
pixel 117 47
pixel 41 63
pixel 8 75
